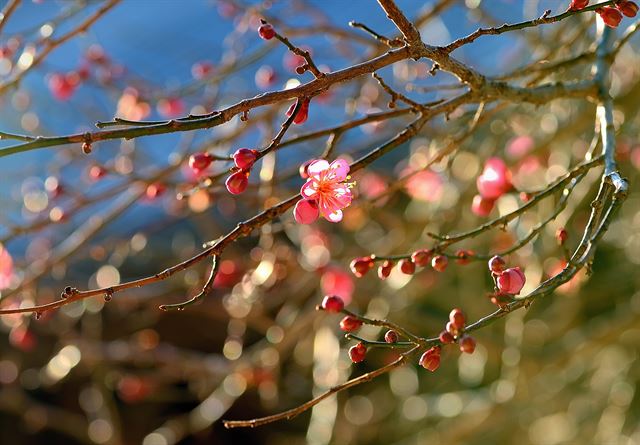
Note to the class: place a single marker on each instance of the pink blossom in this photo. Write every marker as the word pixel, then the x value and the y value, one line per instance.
pixel 482 206
pixel 326 186
pixel 511 281
pixel 6 268
pixel 495 179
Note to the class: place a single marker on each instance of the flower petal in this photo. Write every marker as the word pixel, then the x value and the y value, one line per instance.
pixel 309 189
pixel 339 170
pixel 316 167
pixel 334 217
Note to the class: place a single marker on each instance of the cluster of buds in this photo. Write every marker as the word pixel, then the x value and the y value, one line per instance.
pixel 453 333
pixel 611 15
pixel 508 281
pixel 494 182
pixel 237 182
pixel 420 258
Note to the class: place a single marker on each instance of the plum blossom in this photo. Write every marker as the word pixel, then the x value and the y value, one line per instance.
pixel 326 187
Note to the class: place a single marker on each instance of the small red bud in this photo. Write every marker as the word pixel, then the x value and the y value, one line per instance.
pixel 407 266
pixel 456 317
pixel 431 359
pixel 497 264
pixel 302 114
pixel 391 336
pixel 385 269
pixel 511 281
pixel 349 323
pixel 357 353
pixel 244 158
pixel 577 5
pixel 451 328
pixel 628 8
pixel 610 16
pixel 446 337
pixel 200 161
pixel 360 266
pixel 422 257
pixel 237 182
pixel 439 263
pixel 467 344
pixel 86 148
pixel 333 304
pixel 266 31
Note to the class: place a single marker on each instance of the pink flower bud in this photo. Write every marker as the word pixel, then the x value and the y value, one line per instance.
pixel 350 324
pixel 302 114
pixel 464 256
pixel 577 5
pixel 467 344
pixel 446 337
pixel 391 336
pixel 610 16
pixel 332 303
pixel 439 263
pixel 360 266
pixel 237 182
pixel 266 31
pixel 385 269
pixel 511 281
pixel 306 211
pixel 431 359
pixel 200 161
pixel 422 257
pixel 244 158
pixel 456 317
pixel 407 266
pixel 497 264
pixel 628 8
pixel 495 179
pixel 482 206
pixel 357 353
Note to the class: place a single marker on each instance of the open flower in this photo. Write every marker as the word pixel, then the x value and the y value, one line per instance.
pixel 326 187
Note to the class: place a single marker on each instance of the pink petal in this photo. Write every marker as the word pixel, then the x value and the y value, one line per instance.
pixel 306 211
pixel 334 217
pixel 309 189
pixel 339 170
pixel 316 167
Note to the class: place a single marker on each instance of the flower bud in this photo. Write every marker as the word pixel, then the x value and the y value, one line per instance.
pixel 407 266
pixel 511 281
pixel 349 323
pixel 628 8
pixel 497 264
pixel 237 182
pixel 431 359
pixel 360 266
pixel 495 179
pixel 357 353
pixel 422 257
pixel 244 158
pixel 332 303
pixel 391 336
pixel 610 16
pixel 456 317
pixel 266 31
pixel 467 344
pixel 439 263
pixel 385 269
pixel 577 5
pixel 482 206
pixel 446 337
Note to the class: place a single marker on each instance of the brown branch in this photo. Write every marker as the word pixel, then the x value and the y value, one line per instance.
pixel 542 20
pixel 310 64
pixel 289 414
pixel 392 43
pixel 8 10
pixel 408 30
pixel 208 285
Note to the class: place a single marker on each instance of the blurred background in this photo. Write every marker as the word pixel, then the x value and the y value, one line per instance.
pixel 122 372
